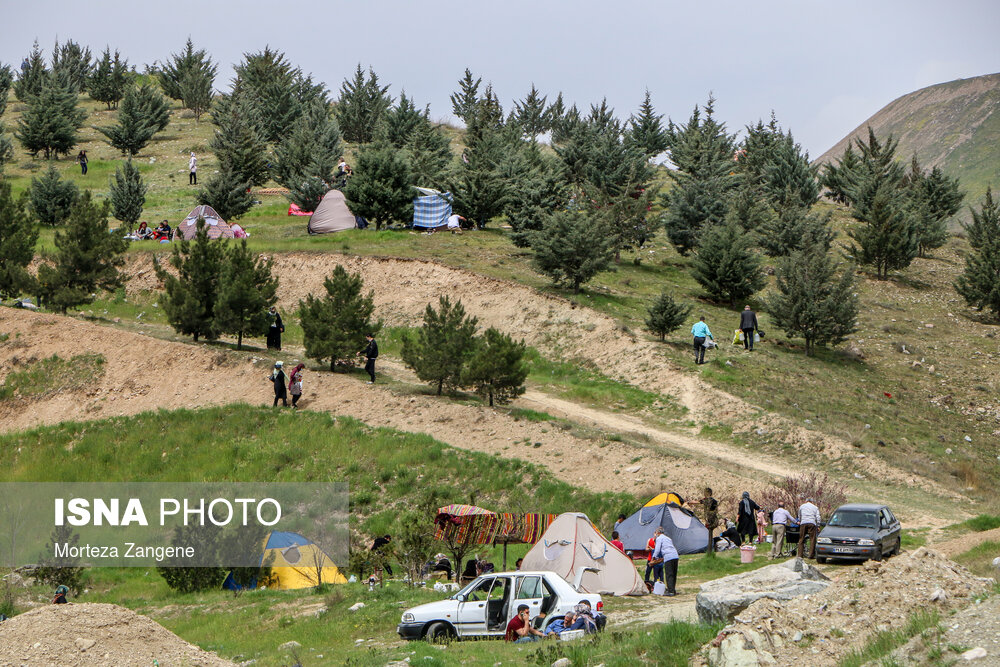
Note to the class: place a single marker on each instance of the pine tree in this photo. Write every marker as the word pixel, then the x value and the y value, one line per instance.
pixel 135 128
pixel 749 208
pixel 362 106
pixel 72 62
pixel 381 189
pixel 812 301
pixel 6 81
pixel 837 178
pixel 52 198
pixel 196 92
pixel 572 247
pixel 227 194
pixel 308 193
pixel 32 76
pixel 247 289
pixel 496 370
pixel 18 236
pixel 189 64
pixel 109 80
pixel 480 185
pixel 333 324
pixel 86 260
pixel 542 188
pixel 666 315
pixel 277 92
pixel 238 143
pixel 887 238
pixel 437 351
pixel 401 122
pixel 430 155
pixel 127 194
pixel 726 265
pixel 791 180
pixel 530 114
pixel 51 121
pixel 933 198
pixel 979 283
pixel 310 149
pixel 152 105
pixel 646 130
pixel 795 228
pixel 190 296
pixel 465 99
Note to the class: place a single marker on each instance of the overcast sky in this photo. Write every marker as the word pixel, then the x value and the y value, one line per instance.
pixel 823 67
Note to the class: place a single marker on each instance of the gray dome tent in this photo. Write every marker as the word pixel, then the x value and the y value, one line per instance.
pixel 688 534
pixel 332 215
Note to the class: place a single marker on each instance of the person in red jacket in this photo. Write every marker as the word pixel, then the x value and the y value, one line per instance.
pixel 649 558
pixel 617 542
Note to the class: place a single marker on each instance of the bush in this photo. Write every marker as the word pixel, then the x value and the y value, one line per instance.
pixel 52 197
pixel 666 315
pixel 827 494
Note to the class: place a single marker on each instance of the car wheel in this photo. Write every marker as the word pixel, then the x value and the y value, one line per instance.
pixel 878 553
pixel 437 633
pixel 821 559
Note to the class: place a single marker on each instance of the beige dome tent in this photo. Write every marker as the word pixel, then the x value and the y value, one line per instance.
pixel 332 215
pixel 216 227
pixel 574 549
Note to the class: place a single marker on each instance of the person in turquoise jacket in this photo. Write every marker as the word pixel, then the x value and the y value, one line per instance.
pixel 700 331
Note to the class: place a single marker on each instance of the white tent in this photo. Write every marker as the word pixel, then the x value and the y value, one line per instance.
pixel 332 215
pixel 574 549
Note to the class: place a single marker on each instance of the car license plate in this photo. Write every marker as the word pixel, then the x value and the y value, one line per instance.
pixel 843 550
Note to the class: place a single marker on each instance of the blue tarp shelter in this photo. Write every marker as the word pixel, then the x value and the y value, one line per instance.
pixel 431 209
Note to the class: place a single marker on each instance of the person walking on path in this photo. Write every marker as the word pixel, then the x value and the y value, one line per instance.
pixel 780 520
pixel 82 159
pixel 193 170
pixel 748 325
pixel 664 561
pixel 746 518
pixel 701 333
pixel 711 507
pixel 278 379
pixel 808 527
pixel 371 354
pixel 275 330
pixel 295 384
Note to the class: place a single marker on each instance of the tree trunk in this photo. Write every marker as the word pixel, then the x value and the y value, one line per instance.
pixel 440 386
pixel 332 362
pixel 491 397
pixel 196 336
pixel 239 340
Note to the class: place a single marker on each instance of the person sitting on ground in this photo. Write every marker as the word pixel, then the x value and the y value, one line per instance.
pixel 162 231
pixel 455 223
pixel 60 597
pixel 517 565
pixel 471 571
pixel 731 534
pixel 483 566
pixel 584 618
pixel 442 564
pixel 519 629
pixel 558 626
pixel 617 542
pixel 239 232
pixel 143 233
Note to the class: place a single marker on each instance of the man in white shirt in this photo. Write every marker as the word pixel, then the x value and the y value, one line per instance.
pixel 779 522
pixel 808 525
pixel 193 170
pixel 665 551
pixel 455 223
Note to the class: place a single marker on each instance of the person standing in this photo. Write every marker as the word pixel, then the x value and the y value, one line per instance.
pixel 667 555
pixel 82 159
pixel 711 507
pixel 701 333
pixel 379 544
pixel 275 330
pixel 278 379
pixel 779 524
pixel 193 170
pixel 746 518
pixel 650 545
pixel 808 527
pixel 618 522
pixel 616 542
pixel 371 354
pixel 295 384
pixel 761 525
pixel 748 325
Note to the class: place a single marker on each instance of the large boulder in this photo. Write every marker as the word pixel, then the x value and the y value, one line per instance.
pixel 722 599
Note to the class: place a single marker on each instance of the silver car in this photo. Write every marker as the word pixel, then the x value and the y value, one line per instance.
pixel 859 531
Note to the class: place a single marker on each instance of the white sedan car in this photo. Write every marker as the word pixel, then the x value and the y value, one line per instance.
pixel 483 608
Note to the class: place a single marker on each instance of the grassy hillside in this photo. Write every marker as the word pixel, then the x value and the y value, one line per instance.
pixel 954 125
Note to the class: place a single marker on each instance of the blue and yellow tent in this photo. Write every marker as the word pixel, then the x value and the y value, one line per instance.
pixel 295 562
pixel 688 534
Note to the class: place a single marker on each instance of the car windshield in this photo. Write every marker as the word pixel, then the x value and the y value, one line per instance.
pixel 854 519
pixel 478 586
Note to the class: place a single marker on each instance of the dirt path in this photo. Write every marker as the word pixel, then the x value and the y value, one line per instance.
pixel 959 545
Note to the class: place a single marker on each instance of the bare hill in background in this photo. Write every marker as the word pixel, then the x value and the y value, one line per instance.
pixel 954 125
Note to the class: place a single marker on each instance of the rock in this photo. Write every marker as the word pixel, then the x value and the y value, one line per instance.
pixel 939 595
pixel 996 561
pixel 722 599
pixel 356 606
pixel 948 450
pixel 761 431
pixel 968 439
pixel 740 649
pixel 633 469
pixel 916 364
pixel 797 637
pixel 974 653
pixel 84 643
pixel 290 646
pixel 562 662
pixel 854 351
pixel 930 369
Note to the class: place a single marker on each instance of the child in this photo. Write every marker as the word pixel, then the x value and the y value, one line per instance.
pixel 761 526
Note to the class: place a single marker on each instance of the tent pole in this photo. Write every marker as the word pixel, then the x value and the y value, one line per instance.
pixel 505 556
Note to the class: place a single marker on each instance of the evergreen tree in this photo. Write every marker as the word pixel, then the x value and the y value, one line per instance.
pixel 542 189
pixel 430 155
pixel 238 143
pixel 933 199
pixel 227 194
pixel 812 301
pixel 465 99
pixel 437 352
pixel 726 265
pixel 496 370
pixel 311 148
pixel 362 106
pixel 109 80
pixel 480 185
pixel 139 118
pixel 196 92
pixel 646 130
pixel 6 81
pixel 86 260
pixel 308 193
pixel 51 120
pixel 246 290
pixel 152 105
pixel 979 283
pixel 572 247
pixel 757 151
pixel 190 64
pixel 333 324
pixel 791 180
pixel 190 296
pixel 52 198
pixel 401 122
pixel 71 62
pixel 18 236
pixel 381 189
pixel 6 149
pixel 692 206
pixel 876 166
pixel 836 178
pixel 32 76
pixel 128 194
pixel 795 228
pixel 887 238
pixel 530 114
pixel 749 208
pixel 62 570
pixel 666 315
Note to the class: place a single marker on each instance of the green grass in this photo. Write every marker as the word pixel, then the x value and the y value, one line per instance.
pixel 883 643
pixel 979 559
pixel 981 523
pixel 51 375
pixel 913 538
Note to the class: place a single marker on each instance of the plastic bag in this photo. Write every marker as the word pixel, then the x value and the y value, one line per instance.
pixel 737 337
pixel 756 337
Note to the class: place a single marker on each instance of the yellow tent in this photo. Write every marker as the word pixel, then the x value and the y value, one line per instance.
pixel 295 562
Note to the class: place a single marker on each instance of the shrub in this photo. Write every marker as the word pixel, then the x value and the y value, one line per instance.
pixel 794 490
